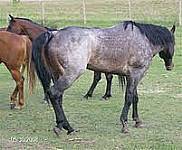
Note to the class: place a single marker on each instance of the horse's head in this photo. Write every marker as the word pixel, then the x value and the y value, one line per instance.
pixel 14 26
pixel 167 53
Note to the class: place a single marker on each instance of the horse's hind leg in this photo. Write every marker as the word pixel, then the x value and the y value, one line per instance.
pixel 108 88
pixel 21 93
pixel 16 90
pixel 23 68
pixel 19 87
pixel 97 77
pixel 14 98
pixel 56 98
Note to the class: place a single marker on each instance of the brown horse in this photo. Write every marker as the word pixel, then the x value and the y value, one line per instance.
pixel 24 26
pixel 15 52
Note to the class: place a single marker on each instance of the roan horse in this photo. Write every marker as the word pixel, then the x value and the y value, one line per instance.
pixel 32 30
pixel 125 49
pixel 15 51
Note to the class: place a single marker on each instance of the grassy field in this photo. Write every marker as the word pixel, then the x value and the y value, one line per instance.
pixel 160 94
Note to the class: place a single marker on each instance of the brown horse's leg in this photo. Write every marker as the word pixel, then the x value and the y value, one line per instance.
pixel 21 93
pixel 19 86
pixel 23 69
pixel 14 98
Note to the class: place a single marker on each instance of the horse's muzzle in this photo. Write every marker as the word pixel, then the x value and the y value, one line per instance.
pixel 170 67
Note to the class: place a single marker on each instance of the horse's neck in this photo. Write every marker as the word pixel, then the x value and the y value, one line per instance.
pixel 33 30
pixel 156 49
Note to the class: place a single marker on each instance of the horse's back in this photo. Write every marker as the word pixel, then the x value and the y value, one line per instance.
pixel 10 37
pixel 113 49
pixel 72 40
pixel 118 48
pixel 12 48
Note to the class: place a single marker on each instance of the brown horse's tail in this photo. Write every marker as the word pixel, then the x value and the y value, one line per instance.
pixel 30 66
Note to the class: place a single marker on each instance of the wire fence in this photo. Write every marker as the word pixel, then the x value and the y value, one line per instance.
pixel 89 12
pixel 100 13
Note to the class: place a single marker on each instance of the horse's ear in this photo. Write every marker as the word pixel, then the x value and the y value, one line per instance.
pixel 11 17
pixel 173 29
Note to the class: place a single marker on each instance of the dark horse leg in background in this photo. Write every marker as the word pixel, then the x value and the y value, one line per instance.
pixel 96 79
pixel 108 87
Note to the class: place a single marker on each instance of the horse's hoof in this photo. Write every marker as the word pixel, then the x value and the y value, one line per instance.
pixel 84 98
pixel 50 107
pixel 72 132
pixel 57 131
pixel 12 106
pixel 139 124
pixel 106 97
pixel 125 130
pixel 18 107
pixel 87 96
pixel 44 102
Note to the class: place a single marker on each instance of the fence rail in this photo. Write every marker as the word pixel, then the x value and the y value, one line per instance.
pixel 88 11
pixel 58 14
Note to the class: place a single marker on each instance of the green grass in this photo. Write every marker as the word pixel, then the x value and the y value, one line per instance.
pixel 160 94
pixel 98 121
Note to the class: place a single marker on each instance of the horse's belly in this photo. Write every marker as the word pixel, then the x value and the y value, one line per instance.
pixel 107 66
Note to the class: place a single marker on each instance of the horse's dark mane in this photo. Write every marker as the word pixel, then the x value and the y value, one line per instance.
pixel 51 29
pixel 26 19
pixel 157 35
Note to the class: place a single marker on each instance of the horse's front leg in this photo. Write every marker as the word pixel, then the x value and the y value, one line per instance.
pixel 131 97
pixel 135 116
pixel 128 101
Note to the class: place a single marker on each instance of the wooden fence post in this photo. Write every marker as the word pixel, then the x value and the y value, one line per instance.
pixel 84 13
pixel 42 13
pixel 129 9
pixel 180 11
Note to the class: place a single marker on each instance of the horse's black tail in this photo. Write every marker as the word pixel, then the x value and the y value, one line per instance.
pixel 122 81
pixel 37 61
